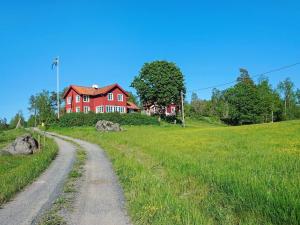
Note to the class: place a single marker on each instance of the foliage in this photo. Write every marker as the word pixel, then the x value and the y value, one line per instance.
pixel 159 83
pixel 43 106
pixel 133 98
pixel 248 103
pixel 90 119
pixel 18 171
pixel 14 121
pixel 286 89
pixel 3 124
pixel 206 175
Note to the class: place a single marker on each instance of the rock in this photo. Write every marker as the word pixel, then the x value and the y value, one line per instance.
pixel 24 144
pixel 104 125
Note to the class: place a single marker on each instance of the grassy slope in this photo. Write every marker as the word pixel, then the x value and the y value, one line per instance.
pixel 18 171
pixel 207 174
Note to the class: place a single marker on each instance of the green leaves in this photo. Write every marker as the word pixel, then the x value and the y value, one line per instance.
pixel 160 83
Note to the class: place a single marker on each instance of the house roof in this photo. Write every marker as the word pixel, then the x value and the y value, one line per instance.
pixel 131 105
pixel 93 91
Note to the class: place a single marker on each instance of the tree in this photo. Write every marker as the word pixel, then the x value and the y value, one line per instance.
pixel 269 100
pixel 133 98
pixel 219 106
pixel 243 101
pixel 33 109
pixel 159 83
pixel 286 89
pixel 298 96
pixel 43 106
pixel 3 124
pixel 16 119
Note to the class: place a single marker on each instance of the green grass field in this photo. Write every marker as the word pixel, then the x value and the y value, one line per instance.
pixel 18 171
pixel 206 174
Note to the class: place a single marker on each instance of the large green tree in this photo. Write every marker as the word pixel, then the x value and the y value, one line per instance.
pixel 243 101
pixel 269 101
pixel 286 89
pixel 159 83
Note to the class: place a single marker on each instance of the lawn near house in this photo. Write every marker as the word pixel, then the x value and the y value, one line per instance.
pixel 18 171
pixel 206 174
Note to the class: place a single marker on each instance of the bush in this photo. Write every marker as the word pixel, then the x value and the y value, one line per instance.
pixel 90 119
pixel 172 119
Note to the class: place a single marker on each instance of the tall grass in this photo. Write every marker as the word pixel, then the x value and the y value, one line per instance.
pixel 18 171
pixel 208 175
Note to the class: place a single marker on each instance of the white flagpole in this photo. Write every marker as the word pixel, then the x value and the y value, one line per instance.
pixel 57 84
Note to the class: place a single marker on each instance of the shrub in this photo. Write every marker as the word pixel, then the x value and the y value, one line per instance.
pixel 90 119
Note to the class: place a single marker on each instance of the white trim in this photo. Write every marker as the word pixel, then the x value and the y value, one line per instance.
pixel 115 108
pixel 77 98
pixel 69 100
pixel 86 98
pixel 100 109
pixel 86 109
pixel 77 109
pixel 120 97
pixel 110 96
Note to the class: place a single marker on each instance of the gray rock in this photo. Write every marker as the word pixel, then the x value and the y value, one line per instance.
pixel 104 125
pixel 24 144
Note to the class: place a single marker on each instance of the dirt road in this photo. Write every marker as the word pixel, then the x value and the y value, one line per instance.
pixel 34 199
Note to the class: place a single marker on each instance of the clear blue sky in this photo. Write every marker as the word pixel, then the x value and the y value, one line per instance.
pixel 108 41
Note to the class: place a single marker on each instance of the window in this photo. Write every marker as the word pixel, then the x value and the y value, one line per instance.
pixel 77 98
pixel 69 100
pixel 86 109
pixel 86 98
pixel 69 110
pixel 100 109
pixel 110 96
pixel 77 109
pixel 122 109
pixel 120 98
pixel 173 109
pixel 109 109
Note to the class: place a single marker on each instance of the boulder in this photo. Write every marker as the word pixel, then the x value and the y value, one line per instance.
pixel 104 125
pixel 24 144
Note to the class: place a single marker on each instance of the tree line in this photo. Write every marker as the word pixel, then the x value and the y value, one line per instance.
pixel 248 102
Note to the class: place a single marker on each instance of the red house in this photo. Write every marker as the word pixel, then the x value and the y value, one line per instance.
pixel 106 99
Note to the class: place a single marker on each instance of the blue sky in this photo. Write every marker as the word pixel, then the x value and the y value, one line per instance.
pixel 105 42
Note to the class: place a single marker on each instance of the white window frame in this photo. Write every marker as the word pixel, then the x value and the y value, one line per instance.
pixel 100 109
pixel 69 100
pixel 77 109
pixel 109 109
pixel 120 98
pixel 86 98
pixel 173 109
pixel 86 107
pixel 77 98
pixel 110 96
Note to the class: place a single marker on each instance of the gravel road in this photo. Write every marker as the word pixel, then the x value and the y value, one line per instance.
pixel 35 198
pixel 100 199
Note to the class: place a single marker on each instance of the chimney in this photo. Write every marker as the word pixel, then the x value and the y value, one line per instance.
pixel 95 86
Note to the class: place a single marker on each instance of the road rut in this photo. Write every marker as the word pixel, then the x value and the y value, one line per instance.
pixel 100 199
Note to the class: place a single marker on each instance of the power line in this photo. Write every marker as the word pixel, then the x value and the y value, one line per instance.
pixel 257 75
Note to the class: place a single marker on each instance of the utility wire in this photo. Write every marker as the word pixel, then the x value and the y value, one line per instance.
pixel 257 75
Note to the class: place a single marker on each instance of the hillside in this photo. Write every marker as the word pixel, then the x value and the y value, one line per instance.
pixel 206 175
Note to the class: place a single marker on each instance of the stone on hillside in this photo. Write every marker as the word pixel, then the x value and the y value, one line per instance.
pixel 104 125
pixel 24 144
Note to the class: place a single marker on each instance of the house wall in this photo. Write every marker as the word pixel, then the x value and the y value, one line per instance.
pixel 169 109
pixel 103 100
pixel 100 100
pixel 72 93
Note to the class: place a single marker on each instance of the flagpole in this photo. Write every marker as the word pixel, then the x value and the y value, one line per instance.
pixel 57 85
